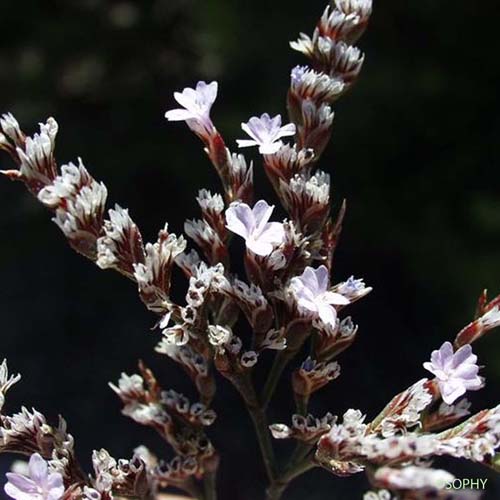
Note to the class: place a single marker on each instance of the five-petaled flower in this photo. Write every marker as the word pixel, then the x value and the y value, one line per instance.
pixel 260 235
pixel 40 485
pixel 312 295
pixel 266 133
pixel 456 372
pixel 196 105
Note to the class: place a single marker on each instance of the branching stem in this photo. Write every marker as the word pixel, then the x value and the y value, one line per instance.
pixel 278 487
pixel 245 387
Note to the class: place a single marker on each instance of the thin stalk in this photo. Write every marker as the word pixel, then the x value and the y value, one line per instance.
pixel 209 484
pixel 257 413
pixel 264 437
pixel 278 487
pixel 279 364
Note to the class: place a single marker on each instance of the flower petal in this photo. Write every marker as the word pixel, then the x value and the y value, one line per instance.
pixel 262 213
pixel 464 355
pixel 335 298
pixel 177 115
pixel 258 247
pixel 38 469
pixel 240 219
pixel 273 233
pixel 322 277
pixel 310 280
pixel 269 148
pixel 327 313
pixel 246 143
pixel 287 130
pixel 22 483
pixel 55 486
pixel 451 390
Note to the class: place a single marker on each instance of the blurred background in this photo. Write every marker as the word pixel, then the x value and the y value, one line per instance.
pixel 415 151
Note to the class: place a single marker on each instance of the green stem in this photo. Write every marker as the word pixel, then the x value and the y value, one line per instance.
pixel 209 483
pixel 245 387
pixel 264 437
pixel 278 487
pixel 280 362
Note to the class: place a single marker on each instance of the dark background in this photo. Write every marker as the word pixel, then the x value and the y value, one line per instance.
pixel 415 150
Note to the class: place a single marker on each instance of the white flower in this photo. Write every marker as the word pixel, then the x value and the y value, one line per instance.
pixel 252 225
pixel 312 295
pixel 266 133
pixel 40 485
pixel 196 105
pixel 456 372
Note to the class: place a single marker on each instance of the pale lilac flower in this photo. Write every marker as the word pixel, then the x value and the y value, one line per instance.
pixel 40 485
pixel 456 372
pixel 266 133
pixel 196 105
pixel 252 225
pixel 312 295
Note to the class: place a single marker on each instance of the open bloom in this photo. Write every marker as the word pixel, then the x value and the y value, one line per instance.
pixel 312 295
pixel 260 235
pixel 456 372
pixel 196 105
pixel 266 133
pixel 40 485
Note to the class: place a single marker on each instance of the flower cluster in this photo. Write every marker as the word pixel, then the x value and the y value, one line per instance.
pixel 226 323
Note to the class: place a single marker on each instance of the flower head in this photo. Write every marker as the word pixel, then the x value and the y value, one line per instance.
pixel 266 133
pixel 196 105
pixel 312 295
pixel 40 485
pixel 252 224
pixel 456 372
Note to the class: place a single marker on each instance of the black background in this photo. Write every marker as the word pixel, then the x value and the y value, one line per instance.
pixel 415 151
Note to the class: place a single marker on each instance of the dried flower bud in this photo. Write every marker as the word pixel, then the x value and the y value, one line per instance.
pixel 446 415
pixel 312 376
pixel 249 359
pixel 153 276
pixel 121 246
pixel 253 303
pixel 219 336
pixel 275 340
pixel 307 199
pixel 212 207
pixel 241 179
pixel 307 429
pixel 315 126
pixel 6 382
pixel 405 410
pixel 207 239
pixel 34 155
pixel 475 330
